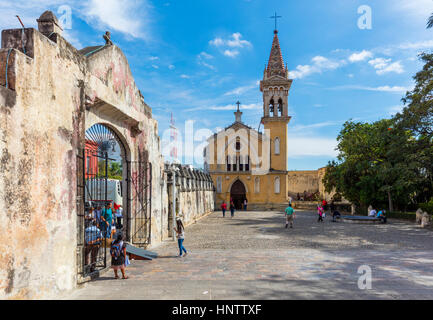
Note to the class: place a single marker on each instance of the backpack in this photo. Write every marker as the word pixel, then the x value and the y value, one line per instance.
pixel 116 249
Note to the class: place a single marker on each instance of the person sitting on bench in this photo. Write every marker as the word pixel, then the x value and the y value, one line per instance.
pixel 381 215
pixel 334 211
pixel 335 214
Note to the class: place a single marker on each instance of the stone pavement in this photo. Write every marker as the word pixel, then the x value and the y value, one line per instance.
pixel 253 256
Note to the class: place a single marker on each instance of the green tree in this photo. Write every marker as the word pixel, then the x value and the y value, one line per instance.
pixel 430 22
pixel 389 161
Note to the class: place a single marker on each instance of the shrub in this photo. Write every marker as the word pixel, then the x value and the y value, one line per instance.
pixel 428 207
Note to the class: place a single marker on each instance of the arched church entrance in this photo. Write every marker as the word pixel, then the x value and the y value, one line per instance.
pixel 238 194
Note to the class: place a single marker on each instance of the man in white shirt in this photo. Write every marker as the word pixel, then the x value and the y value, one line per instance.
pixel 119 217
pixel 372 213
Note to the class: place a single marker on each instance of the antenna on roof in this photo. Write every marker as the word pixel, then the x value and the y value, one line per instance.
pixel 22 24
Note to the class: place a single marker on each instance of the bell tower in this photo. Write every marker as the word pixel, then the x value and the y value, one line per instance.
pixel 275 87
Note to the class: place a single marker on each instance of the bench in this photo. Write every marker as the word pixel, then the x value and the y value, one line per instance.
pixel 361 219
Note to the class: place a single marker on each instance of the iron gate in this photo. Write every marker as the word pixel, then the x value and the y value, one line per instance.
pixel 139 202
pixel 92 174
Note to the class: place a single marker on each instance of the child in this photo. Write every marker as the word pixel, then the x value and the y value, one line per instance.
pixel 320 212
pixel 232 209
pixel 180 231
pixel 118 254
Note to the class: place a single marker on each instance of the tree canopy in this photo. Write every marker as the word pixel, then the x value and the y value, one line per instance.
pixel 390 161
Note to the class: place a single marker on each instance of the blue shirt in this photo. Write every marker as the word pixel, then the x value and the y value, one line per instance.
pixel 289 211
pixel 92 235
pixel 108 215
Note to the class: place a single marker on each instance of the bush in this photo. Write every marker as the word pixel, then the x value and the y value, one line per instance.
pixel 402 215
pixel 428 207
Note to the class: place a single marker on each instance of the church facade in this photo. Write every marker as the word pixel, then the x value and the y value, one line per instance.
pixel 250 164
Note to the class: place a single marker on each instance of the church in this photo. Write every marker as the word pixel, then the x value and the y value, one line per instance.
pixel 246 163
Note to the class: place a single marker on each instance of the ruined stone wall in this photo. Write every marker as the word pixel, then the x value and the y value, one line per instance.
pixel 300 181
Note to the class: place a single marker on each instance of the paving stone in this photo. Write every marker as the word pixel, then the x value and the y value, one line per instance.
pixel 253 256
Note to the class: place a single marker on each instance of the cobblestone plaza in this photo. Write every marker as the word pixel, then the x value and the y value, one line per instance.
pixel 252 256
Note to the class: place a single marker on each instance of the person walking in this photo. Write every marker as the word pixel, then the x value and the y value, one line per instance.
pixel 232 209
pixel 93 237
pixel 119 218
pixel 320 212
pixel 245 204
pixel 290 216
pixel 180 232
pixel 107 220
pixel 118 256
pixel 224 208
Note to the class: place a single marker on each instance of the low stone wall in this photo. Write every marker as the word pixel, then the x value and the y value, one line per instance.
pixel 195 195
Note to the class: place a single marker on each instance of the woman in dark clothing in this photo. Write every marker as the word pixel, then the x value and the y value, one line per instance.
pixel 118 255
pixel 232 209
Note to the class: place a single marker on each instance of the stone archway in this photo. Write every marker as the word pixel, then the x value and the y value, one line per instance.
pixel 238 194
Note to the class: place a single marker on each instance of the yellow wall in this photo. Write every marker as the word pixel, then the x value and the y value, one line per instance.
pixel 278 129
pixel 266 193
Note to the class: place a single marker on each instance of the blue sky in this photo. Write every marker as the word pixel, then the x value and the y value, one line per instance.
pixel 195 59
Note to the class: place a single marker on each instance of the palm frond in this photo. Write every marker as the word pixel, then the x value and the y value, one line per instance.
pixel 430 22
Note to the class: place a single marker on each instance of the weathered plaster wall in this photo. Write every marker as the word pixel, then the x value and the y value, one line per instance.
pixel 194 194
pixel 39 137
pixel 56 93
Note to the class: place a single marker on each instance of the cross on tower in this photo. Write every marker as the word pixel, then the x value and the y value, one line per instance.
pixel 238 103
pixel 275 17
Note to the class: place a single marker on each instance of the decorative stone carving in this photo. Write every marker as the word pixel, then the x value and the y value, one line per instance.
pixel 419 214
pixel 425 220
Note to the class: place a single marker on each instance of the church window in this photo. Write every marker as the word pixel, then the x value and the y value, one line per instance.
pixel 235 162
pixel 257 185
pixel 247 164
pixel 228 164
pixel 219 184
pixel 277 145
pixel 277 185
pixel 241 163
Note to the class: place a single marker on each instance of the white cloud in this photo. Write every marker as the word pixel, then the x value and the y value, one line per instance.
pixel 392 89
pixel 360 56
pixel 233 42
pixel 153 58
pixel 420 9
pixel 319 65
pixel 427 44
pixel 383 66
pixel 312 146
pixel 231 53
pixel 171 67
pixel 201 60
pixel 130 17
pixel 241 90
pixel 205 55
pixel 184 76
pixel 253 106
pixel 230 47
pixel 394 110
pixel 120 15
pixel 154 66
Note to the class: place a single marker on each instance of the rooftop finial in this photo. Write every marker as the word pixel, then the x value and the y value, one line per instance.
pixel 275 17
pixel 238 113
